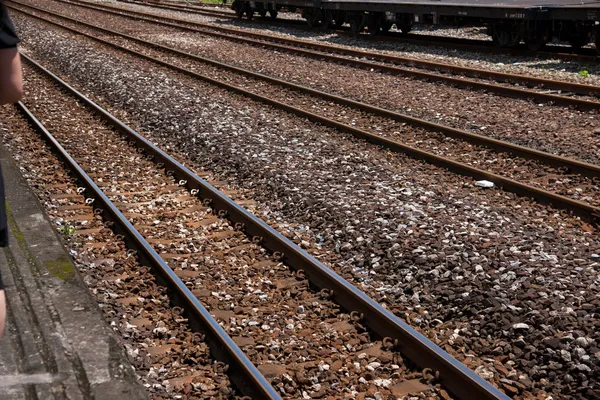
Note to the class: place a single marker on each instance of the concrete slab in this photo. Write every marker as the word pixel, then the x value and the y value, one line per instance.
pixel 56 345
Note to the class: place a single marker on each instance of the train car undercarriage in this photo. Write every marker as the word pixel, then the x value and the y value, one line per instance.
pixel 505 32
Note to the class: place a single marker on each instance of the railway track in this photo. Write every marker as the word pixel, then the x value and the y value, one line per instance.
pixel 560 181
pixel 483 46
pixel 510 85
pixel 134 285
pixel 134 302
pixel 212 253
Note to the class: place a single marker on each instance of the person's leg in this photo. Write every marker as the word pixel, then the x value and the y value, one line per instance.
pixel 2 311
pixel 11 76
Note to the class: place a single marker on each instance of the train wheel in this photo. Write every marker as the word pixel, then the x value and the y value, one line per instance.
pixel 577 42
pixel 536 37
pixel 356 26
pixel 505 38
pixel 497 39
pixel 338 17
pixel 535 43
pixel 249 13
pixel 357 22
pixel 404 28
pixel 374 25
pixel 238 8
pixel 262 13
pixel 311 16
pixel 326 20
pixel 273 14
pixel 386 26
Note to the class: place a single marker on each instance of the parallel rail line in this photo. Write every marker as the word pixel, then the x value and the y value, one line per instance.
pixel 483 46
pixel 385 63
pixel 453 375
pixel 201 5
pixel 586 169
pixel 587 211
pixel 244 374
pixel 185 7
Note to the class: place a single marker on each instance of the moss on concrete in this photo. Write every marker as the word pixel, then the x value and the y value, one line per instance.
pixel 12 223
pixel 61 267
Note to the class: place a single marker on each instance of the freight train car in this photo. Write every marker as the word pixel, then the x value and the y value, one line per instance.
pixel 509 22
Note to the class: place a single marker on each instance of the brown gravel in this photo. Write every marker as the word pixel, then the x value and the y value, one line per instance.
pixel 159 343
pixel 527 171
pixel 494 279
pixel 523 65
pixel 302 342
pixel 553 129
pixel 469 32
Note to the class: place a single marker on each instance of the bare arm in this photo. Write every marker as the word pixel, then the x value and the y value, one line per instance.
pixel 11 76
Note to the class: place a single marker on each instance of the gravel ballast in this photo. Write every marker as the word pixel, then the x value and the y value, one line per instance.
pixel 540 67
pixel 526 171
pixel 292 333
pixel 170 360
pixel 506 285
pixel 556 130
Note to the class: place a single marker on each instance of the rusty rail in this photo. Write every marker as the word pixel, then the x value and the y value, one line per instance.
pixel 483 46
pixel 453 375
pixel 584 210
pixel 386 63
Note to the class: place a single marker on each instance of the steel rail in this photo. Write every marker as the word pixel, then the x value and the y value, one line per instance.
pixel 214 12
pixel 454 376
pixel 193 10
pixel 192 5
pixel 584 210
pixel 283 45
pixel 243 374
pixel 187 4
pixel 181 7
pixel 572 87
pixel 583 168
pixel 484 46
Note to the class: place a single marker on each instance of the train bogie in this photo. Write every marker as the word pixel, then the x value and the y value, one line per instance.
pixel 249 8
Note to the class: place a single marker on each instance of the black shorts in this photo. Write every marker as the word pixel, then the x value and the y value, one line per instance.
pixel 8 39
pixel 3 220
pixel 8 35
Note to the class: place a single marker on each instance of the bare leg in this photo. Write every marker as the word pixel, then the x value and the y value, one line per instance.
pixel 2 311
pixel 11 76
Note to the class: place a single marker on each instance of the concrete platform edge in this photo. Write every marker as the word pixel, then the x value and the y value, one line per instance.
pixel 56 327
